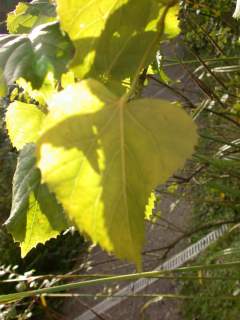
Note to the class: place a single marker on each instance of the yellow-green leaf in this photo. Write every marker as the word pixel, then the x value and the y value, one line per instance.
pixel 67 79
pixel 35 215
pixel 106 34
pixel 27 16
pixel 48 88
pixel 172 23
pixel 24 122
pixel 102 157
pixel 150 206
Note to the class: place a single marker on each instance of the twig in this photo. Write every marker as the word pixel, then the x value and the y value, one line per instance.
pixel 187 235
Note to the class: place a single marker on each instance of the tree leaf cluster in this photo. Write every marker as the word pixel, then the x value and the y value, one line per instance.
pixel 93 154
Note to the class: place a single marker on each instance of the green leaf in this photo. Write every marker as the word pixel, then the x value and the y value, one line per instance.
pixel 33 56
pixel 113 154
pixel 41 95
pixel 35 215
pixel 24 122
pixel 106 35
pixel 27 16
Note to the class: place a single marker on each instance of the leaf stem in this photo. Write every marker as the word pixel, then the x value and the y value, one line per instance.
pixel 126 277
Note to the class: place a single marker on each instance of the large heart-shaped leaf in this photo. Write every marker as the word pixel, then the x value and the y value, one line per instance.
pixel 106 34
pixel 24 122
pixel 32 56
pixel 35 215
pixel 27 16
pixel 102 157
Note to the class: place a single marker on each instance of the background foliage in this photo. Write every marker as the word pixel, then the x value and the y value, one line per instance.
pixel 209 31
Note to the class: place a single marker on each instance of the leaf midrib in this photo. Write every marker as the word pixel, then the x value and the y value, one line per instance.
pixel 123 166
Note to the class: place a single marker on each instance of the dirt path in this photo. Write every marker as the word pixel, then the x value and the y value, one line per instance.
pixel 174 221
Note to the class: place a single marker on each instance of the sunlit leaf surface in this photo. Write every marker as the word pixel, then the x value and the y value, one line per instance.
pixel 113 39
pixel 27 16
pixel 23 123
pixel 102 157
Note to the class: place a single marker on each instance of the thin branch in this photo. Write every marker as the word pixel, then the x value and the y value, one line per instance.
pixel 187 235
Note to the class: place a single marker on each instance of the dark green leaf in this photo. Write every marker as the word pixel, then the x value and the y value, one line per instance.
pixel 32 56
pixel 35 215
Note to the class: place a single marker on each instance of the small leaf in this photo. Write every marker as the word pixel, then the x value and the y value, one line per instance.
pixel 151 302
pixel 24 122
pixel 35 215
pixel 172 23
pixel 150 206
pixel 27 16
pixel 41 95
pixel 113 154
pixel 33 56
